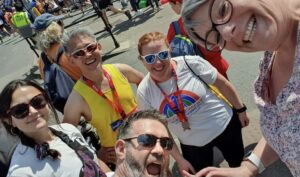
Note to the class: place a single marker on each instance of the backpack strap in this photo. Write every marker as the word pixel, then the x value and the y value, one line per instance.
pixel 176 27
pixel 59 52
pixel 213 89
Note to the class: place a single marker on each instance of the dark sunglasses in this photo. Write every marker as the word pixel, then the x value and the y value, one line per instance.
pixel 162 55
pixel 21 111
pixel 83 51
pixel 149 141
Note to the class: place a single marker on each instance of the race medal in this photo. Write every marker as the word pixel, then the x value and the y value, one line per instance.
pixel 116 124
pixel 185 125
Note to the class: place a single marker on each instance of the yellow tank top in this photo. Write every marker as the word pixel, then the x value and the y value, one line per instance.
pixel 103 114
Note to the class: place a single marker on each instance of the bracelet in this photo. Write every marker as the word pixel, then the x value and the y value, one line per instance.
pixel 241 110
pixel 252 158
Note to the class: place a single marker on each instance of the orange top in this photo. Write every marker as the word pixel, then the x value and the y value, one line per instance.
pixel 72 70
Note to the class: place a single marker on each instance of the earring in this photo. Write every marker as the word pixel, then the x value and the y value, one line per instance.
pixel 14 131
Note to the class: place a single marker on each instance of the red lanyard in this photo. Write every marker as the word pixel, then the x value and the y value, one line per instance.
pixel 178 110
pixel 115 103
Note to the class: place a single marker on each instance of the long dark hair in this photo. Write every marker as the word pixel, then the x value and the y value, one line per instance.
pixel 5 102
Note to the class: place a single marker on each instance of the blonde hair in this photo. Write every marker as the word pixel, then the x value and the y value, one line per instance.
pixel 150 37
pixel 51 35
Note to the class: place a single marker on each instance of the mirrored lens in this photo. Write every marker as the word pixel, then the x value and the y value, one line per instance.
pixel 150 59
pixel 163 55
pixel 147 140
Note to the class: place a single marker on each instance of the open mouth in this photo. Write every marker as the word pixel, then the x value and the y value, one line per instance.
pixel 160 68
pixel 89 62
pixel 251 28
pixel 154 169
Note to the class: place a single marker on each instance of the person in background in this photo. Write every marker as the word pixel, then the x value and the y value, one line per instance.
pixel 103 95
pixel 197 115
pixel 50 30
pixel 43 150
pixel 250 26
pixel 143 146
pixel 214 58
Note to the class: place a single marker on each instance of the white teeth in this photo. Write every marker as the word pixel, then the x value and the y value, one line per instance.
pixel 251 28
pixel 90 62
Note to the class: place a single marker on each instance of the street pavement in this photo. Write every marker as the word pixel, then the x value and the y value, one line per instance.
pixel 18 61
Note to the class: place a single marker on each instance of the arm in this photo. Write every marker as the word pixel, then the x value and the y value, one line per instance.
pixel 132 75
pixel 228 90
pixel 183 164
pixel 262 150
pixel 74 109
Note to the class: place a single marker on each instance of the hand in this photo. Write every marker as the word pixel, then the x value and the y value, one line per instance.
pixel 242 171
pixel 184 165
pixel 107 154
pixel 244 119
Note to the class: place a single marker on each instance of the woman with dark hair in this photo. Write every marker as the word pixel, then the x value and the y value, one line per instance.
pixel 43 150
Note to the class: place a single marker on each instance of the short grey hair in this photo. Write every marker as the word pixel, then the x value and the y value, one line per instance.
pixel 188 8
pixel 68 37
pixel 51 35
pixel 126 127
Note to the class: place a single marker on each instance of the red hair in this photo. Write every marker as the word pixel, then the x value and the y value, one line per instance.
pixel 150 37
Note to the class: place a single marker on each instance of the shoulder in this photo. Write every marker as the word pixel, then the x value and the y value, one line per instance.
pixel 145 83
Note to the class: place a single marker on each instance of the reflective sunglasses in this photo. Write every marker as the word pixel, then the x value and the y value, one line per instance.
pixel 83 51
pixel 149 141
pixel 162 55
pixel 21 111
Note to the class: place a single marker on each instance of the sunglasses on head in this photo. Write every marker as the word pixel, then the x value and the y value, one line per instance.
pixel 151 58
pixel 149 141
pixel 20 111
pixel 83 51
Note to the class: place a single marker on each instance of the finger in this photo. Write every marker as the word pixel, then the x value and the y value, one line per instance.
pixel 205 171
pixel 191 168
pixel 186 174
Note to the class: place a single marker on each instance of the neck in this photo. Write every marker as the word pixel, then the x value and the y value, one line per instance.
pixel 96 76
pixel 288 46
pixel 45 135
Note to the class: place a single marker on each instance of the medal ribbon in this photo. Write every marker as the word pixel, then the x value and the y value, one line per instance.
pixel 178 110
pixel 115 103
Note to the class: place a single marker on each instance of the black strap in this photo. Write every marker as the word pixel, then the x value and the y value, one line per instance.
pixel 75 145
pixel 59 52
pixel 195 73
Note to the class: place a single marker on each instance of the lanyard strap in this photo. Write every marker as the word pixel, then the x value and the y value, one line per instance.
pixel 116 102
pixel 178 110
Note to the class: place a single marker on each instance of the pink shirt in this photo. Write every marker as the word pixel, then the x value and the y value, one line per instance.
pixel 280 123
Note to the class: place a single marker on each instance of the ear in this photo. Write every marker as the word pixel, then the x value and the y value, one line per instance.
pixel 120 149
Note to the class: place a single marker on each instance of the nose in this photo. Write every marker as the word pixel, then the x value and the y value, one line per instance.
pixel 157 60
pixel 157 149
pixel 32 110
pixel 226 31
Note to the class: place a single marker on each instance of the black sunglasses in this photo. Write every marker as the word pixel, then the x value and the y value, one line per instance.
pixel 149 141
pixel 20 111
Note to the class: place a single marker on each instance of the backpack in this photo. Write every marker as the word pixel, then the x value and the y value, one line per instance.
pixel 182 45
pixel 56 82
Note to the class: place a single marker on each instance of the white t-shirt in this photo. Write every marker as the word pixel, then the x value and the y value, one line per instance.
pixel 25 163
pixel 110 174
pixel 207 115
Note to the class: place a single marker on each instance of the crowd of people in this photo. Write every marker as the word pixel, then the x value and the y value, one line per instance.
pixel 184 94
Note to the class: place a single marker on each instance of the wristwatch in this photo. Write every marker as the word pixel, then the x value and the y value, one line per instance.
pixel 241 110
pixel 252 158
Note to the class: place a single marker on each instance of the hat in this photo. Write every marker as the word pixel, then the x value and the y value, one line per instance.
pixel 43 21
